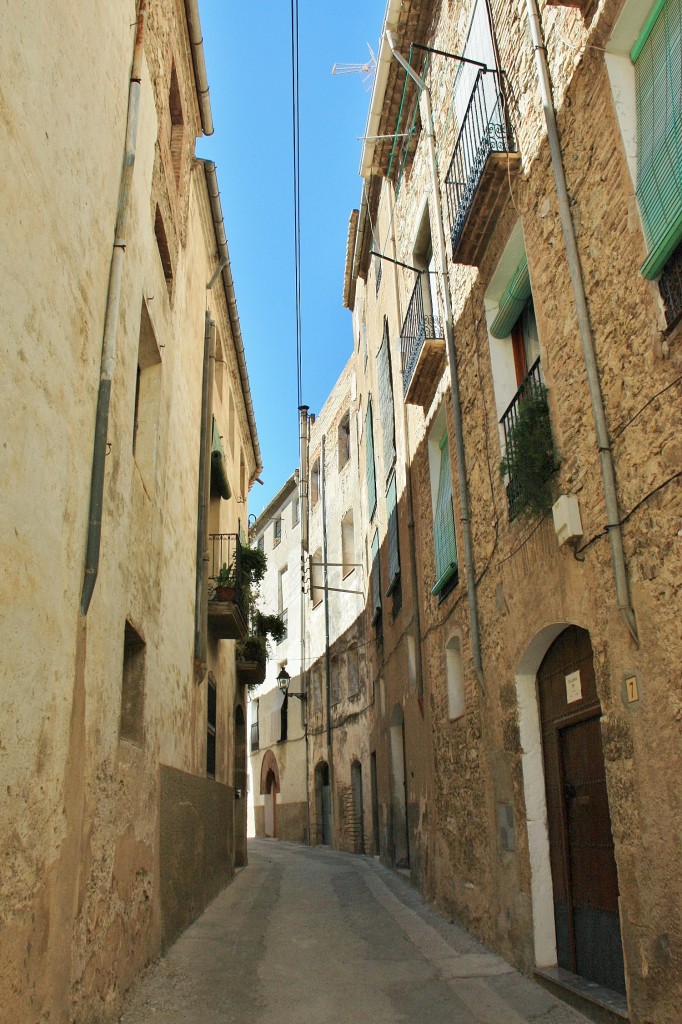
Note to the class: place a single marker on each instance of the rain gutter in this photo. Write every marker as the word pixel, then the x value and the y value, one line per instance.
pixel 199 61
pixel 228 282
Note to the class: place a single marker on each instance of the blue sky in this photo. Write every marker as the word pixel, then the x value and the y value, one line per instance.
pixel 248 54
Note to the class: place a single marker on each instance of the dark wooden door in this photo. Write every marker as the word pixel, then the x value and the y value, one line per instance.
pixel 584 874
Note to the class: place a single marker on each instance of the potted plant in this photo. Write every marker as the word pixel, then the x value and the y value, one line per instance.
pixel 252 565
pixel 272 626
pixel 225 584
pixel 531 458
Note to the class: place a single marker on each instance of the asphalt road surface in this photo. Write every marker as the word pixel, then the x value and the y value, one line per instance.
pixel 309 936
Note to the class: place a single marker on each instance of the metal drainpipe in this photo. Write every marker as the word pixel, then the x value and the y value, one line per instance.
pixel 327 652
pixel 111 320
pixel 408 479
pixel 586 337
pixel 452 362
pixel 199 658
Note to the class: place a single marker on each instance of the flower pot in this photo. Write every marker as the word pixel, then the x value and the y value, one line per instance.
pixel 226 593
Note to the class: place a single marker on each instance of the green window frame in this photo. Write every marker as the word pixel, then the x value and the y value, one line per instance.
pixel 444 541
pixel 392 534
pixel 376 579
pixel 657 57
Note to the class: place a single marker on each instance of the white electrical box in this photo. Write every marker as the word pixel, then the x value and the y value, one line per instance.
pixel 566 513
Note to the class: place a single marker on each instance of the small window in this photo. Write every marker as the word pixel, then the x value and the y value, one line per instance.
pixel 295 510
pixel 177 126
pixel 455 678
pixel 347 544
pixel 277 531
pixel 211 721
pixel 255 727
pixel 164 250
pixel 147 400
pixel 344 440
pixel 261 542
pixel 132 688
pixel 315 482
pixel 280 589
pixel 316 578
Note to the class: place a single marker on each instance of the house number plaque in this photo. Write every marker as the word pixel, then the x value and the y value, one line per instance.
pixel 574 690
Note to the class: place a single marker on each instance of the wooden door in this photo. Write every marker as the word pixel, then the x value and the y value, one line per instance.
pixel 584 876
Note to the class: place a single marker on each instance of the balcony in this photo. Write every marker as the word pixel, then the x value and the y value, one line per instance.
pixel 530 456
pixel 422 342
pixel 227 597
pixel 476 184
pixel 251 660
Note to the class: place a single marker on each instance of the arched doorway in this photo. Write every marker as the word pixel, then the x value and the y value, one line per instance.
pixel 574 881
pixel 323 805
pixel 240 795
pixel 269 788
pixel 358 810
pixel 401 846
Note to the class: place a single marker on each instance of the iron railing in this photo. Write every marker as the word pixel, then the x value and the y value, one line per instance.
pixel 255 737
pixel 225 549
pixel 417 327
pixel 532 386
pixel 485 129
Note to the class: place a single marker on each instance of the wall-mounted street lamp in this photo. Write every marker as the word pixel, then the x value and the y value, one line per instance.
pixel 283 681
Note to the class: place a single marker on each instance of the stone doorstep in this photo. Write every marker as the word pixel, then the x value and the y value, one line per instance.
pixel 602 1005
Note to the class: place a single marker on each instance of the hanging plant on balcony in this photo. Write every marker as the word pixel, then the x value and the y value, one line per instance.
pixel 531 457
pixel 251 648
pixel 272 626
pixel 253 563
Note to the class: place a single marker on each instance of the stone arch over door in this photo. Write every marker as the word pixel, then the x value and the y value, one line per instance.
pixel 573 872
pixel 240 784
pixel 269 788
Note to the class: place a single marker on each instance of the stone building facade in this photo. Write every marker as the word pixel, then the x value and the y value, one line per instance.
pixel 277 744
pixel 514 256
pixel 123 720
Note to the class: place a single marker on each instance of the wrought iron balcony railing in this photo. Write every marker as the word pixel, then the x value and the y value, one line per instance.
pixel 417 327
pixel 485 130
pixel 532 389
pixel 225 551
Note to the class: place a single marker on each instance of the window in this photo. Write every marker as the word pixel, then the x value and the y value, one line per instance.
pixel 455 678
pixel 295 510
pixel 344 440
pixel 164 251
pixel 177 126
pixel 261 542
pixel 316 578
pixel 444 542
pixel 285 619
pixel 347 544
pixel 656 56
pixel 369 466
pixel 147 400
pixel 211 720
pixel 280 589
pixel 132 687
pixel 315 482
pixel 376 580
pixel 255 726
pixel 386 409
pixel 392 534
pixel 277 531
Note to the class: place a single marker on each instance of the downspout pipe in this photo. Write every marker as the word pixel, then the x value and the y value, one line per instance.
pixel 201 594
pixel 111 320
pixel 427 121
pixel 586 336
pixel 199 61
pixel 327 652
pixel 221 239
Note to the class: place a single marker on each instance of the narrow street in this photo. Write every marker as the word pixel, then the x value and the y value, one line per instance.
pixel 308 935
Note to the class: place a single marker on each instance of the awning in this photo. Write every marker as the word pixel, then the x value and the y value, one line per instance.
pixel 219 479
pixel 512 302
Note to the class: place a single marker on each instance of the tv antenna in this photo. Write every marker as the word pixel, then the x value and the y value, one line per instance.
pixel 367 69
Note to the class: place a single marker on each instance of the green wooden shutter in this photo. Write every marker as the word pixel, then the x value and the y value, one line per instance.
pixel 444 541
pixel 513 301
pixel 386 409
pixel 392 533
pixel 370 470
pixel 657 56
pixel 376 578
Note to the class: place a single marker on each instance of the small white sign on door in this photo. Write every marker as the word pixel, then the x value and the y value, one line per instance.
pixel 574 690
